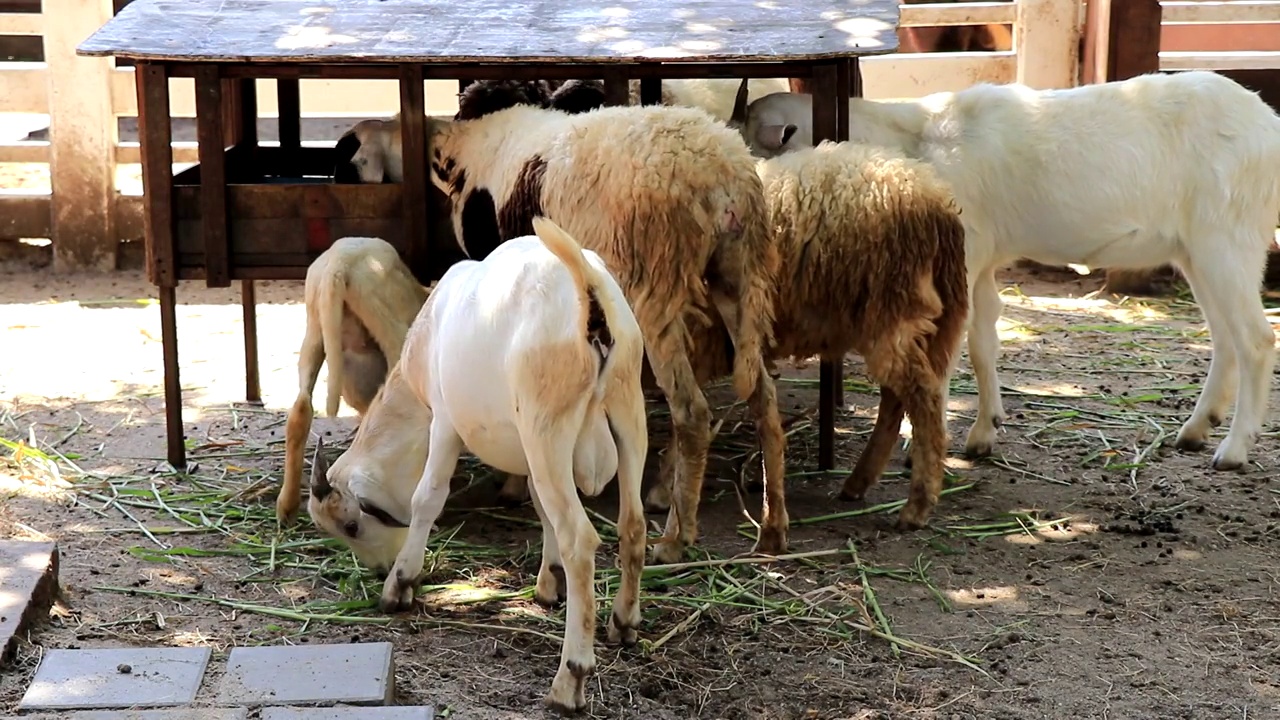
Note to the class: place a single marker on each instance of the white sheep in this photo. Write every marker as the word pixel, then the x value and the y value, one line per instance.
pixel 1181 168
pixel 530 360
pixel 361 299
pixel 713 95
pixel 670 198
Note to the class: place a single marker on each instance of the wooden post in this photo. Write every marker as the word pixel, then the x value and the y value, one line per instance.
pixel 413 133
pixel 82 139
pixel 1047 43
pixel 828 93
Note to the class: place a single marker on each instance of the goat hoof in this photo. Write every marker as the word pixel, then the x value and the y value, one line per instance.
pixel 1222 463
pixel 397 594
pixel 286 511
pixel 623 633
pixel 554 596
pixel 976 450
pixel 1189 443
pixel 568 695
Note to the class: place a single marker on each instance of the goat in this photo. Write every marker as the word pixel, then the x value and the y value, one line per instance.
pixel 490 365
pixel 1154 169
pixel 360 299
pixel 872 260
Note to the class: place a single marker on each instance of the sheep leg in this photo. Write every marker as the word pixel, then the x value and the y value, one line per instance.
pixel 550 454
pixel 659 498
pixel 929 423
pixel 1220 385
pixel 946 405
pixel 549 590
pixel 773 511
pixel 1248 330
pixel 428 501
pixel 298 427
pixel 984 348
pixel 692 420
pixel 515 490
pixel 631 434
pixel 879 447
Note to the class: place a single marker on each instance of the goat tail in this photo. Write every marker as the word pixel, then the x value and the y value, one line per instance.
pixel 596 303
pixel 950 280
pixel 331 294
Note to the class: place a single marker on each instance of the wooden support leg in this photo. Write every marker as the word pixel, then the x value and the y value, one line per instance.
pixel 413 130
pixel 289 102
pixel 827 94
pixel 155 133
pixel 240 126
pixel 650 91
pixel 616 91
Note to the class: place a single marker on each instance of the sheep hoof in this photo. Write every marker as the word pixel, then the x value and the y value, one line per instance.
pixel 568 695
pixel 913 518
pixel 286 511
pixel 668 552
pixel 620 632
pixel 975 450
pixel 553 596
pixel 1223 461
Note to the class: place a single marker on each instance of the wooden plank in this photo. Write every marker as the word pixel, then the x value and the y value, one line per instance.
pixel 21 23
pixel 419 31
pixel 1094 49
pixel 24 87
pixel 413 130
pixel 24 216
pixel 289 102
pixel 1047 41
pixel 82 136
pixel 1235 11
pixel 213 189
pixel 24 152
pixel 968 13
pixel 919 74
pixel 1225 60
pixel 1133 39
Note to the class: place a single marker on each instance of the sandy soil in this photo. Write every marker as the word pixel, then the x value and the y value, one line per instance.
pixel 1152 593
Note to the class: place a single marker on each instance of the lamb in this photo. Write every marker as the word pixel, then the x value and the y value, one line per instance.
pixel 713 95
pixel 1135 173
pixel 529 359
pixel 483 97
pixel 872 260
pixel 361 300
pixel 671 200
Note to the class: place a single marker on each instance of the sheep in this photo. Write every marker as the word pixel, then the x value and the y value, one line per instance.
pixel 670 198
pixel 490 365
pixel 872 260
pixel 1134 173
pixel 713 95
pixel 360 299
pixel 483 97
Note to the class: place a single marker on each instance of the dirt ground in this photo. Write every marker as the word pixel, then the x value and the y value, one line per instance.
pixel 1087 571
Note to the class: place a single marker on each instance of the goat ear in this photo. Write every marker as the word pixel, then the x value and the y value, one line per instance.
pixel 773 137
pixel 739 115
pixel 320 487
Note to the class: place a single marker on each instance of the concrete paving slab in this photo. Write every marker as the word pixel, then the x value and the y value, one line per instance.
pixel 28 584
pixel 352 673
pixel 116 678
pixel 181 714
pixel 349 713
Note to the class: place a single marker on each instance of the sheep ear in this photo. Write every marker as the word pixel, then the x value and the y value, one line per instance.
pixel 773 137
pixel 739 116
pixel 320 487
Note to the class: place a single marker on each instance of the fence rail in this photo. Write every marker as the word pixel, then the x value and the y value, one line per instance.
pixel 86 216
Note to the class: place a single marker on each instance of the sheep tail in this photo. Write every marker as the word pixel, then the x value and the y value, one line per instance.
pixel 332 291
pixel 748 267
pixel 950 280
pixel 599 312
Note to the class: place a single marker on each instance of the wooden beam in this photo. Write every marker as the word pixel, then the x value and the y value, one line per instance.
pixel 82 136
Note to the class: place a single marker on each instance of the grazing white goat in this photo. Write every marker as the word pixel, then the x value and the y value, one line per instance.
pixel 361 299
pixel 529 359
pixel 1181 168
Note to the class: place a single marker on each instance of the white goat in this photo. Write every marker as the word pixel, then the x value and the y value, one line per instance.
pixel 494 365
pixel 361 299
pixel 1181 168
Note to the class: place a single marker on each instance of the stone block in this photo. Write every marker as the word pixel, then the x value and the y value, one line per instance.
pixel 116 678
pixel 349 713
pixel 352 673
pixel 28 585
pixel 179 714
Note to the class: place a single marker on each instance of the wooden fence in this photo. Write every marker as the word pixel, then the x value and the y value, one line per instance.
pixel 87 217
